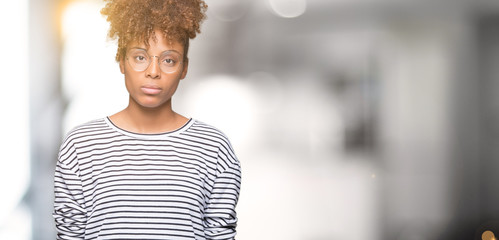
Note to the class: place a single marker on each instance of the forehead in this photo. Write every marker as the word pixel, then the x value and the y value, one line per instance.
pixel 158 42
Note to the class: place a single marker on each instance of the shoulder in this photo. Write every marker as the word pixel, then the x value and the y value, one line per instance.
pixel 207 131
pixel 67 148
pixel 93 126
pixel 215 136
pixel 84 131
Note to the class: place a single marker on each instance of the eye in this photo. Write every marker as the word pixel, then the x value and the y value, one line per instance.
pixel 140 58
pixel 168 61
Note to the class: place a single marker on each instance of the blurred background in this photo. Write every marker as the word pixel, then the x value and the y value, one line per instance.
pixel 353 119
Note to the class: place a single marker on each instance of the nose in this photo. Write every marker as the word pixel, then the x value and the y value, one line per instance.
pixel 153 70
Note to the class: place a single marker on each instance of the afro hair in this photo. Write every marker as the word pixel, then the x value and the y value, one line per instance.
pixel 136 20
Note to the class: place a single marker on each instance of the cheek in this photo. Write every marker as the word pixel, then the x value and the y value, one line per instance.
pixel 129 81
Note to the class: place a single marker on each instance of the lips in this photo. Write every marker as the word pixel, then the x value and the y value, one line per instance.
pixel 150 89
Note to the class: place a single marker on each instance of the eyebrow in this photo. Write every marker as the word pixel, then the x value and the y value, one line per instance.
pixel 171 50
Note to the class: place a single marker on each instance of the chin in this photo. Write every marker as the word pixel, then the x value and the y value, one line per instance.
pixel 151 103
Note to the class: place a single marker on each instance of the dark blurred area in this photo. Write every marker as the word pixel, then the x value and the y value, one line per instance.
pixel 353 119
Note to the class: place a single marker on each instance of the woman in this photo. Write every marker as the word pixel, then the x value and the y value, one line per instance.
pixel 148 172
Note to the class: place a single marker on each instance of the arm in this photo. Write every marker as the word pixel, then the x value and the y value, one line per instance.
pixel 69 215
pixel 220 215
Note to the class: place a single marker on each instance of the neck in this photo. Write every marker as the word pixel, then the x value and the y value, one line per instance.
pixel 136 118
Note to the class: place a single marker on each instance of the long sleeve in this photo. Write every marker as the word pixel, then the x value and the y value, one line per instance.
pixel 220 214
pixel 69 215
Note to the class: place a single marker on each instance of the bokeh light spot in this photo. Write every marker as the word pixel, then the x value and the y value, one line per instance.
pixel 288 8
pixel 488 235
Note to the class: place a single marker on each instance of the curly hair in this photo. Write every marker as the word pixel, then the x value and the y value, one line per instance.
pixel 136 20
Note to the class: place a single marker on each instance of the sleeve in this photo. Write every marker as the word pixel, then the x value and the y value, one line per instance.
pixel 69 215
pixel 220 213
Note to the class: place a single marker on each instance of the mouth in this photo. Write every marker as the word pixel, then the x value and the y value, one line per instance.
pixel 150 90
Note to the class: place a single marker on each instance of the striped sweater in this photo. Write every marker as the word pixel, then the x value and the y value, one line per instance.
pixel 113 184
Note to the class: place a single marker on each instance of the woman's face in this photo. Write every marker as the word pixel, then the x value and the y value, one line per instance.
pixel 152 74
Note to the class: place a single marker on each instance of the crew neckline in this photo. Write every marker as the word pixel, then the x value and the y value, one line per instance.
pixel 186 125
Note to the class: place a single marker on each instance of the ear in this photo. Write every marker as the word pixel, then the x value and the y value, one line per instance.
pixel 122 66
pixel 184 70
